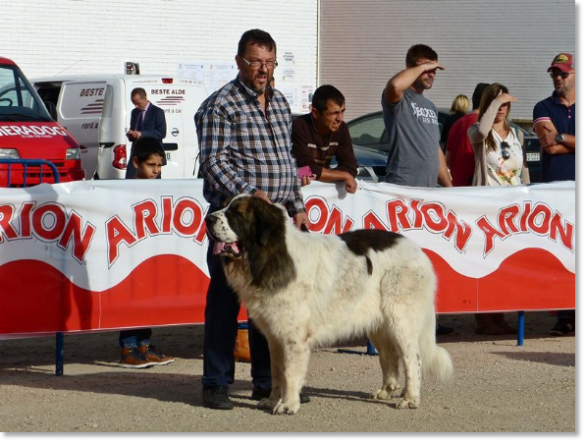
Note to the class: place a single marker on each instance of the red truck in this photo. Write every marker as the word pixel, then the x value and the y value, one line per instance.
pixel 27 132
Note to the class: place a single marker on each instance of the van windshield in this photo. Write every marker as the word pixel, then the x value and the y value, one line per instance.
pixel 18 100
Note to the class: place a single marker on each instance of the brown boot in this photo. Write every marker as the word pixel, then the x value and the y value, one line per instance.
pixel 154 356
pixel 133 359
pixel 499 320
pixel 485 325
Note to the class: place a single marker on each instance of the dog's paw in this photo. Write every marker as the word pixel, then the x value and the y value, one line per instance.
pixel 379 394
pixel 287 408
pixel 267 403
pixel 408 403
pixel 383 394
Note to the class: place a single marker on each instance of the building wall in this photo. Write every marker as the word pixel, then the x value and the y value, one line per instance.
pixel 363 44
pixel 48 37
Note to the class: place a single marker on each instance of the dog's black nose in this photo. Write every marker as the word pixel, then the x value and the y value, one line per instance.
pixel 210 218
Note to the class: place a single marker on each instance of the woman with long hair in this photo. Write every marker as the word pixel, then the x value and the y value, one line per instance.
pixel 499 158
pixel 498 150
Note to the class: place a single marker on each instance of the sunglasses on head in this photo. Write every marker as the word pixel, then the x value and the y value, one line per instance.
pixel 554 74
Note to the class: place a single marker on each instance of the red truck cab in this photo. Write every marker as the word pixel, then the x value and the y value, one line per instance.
pixel 27 131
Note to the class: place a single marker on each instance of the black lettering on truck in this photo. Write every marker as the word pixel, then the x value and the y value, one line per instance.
pixel 90 92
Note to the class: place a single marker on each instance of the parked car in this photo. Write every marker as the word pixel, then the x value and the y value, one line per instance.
pixel 369 131
pixel 372 164
pixel 28 133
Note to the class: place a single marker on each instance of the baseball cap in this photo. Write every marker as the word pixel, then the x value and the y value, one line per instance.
pixel 564 62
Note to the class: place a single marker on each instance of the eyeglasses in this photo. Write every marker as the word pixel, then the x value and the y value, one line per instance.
pixel 256 64
pixel 554 74
pixel 505 154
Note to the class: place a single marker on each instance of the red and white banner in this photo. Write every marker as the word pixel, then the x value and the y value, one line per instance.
pixel 100 255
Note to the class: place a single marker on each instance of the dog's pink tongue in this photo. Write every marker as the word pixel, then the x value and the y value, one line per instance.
pixel 218 247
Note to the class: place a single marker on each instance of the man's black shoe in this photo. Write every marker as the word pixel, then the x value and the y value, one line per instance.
pixel 563 327
pixel 216 398
pixel 260 393
pixel 443 330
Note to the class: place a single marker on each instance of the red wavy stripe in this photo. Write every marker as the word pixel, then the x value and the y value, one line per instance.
pixel 531 279
pixel 35 297
pixel 168 289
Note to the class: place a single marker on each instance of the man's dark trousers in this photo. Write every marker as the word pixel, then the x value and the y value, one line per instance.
pixel 222 307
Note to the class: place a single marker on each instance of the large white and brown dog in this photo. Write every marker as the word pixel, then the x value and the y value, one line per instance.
pixel 306 290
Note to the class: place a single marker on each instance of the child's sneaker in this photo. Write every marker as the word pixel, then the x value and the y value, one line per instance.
pixel 154 356
pixel 133 359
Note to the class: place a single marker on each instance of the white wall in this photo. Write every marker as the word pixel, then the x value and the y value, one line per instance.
pixel 363 44
pixel 48 37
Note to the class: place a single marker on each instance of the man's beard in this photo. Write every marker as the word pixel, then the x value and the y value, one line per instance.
pixel 562 90
pixel 256 88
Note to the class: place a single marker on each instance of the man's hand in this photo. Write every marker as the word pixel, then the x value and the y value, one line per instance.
pixel 301 219
pixel 307 180
pixel 444 176
pixel 133 135
pixel 261 194
pixel 431 66
pixel 546 131
pixel 351 184
pixel 333 175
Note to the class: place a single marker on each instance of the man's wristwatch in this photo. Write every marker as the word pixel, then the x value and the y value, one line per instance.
pixel 559 138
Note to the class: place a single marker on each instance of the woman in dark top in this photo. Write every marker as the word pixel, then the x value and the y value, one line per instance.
pixel 459 108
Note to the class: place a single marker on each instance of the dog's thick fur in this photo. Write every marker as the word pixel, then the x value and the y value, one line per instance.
pixel 307 290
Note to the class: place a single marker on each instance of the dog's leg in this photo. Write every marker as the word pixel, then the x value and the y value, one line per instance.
pixel 296 360
pixel 405 294
pixel 277 367
pixel 408 348
pixel 389 363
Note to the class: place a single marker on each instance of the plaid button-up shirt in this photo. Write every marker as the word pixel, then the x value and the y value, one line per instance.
pixel 242 150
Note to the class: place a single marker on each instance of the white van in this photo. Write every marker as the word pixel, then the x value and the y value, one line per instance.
pixel 96 111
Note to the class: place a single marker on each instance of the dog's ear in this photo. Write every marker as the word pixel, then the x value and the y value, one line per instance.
pixel 263 226
pixel 267 221
pixel 264 233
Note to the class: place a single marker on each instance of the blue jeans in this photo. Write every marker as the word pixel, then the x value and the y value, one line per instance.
pixel 134 338
pixel 222 307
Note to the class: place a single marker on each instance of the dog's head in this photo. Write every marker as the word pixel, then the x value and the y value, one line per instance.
pixel 245 225
pixel 252 232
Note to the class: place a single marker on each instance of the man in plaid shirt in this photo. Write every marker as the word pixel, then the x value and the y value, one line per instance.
pixel 244 132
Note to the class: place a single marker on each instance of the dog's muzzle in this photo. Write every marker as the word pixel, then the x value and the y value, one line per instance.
pixel 218 230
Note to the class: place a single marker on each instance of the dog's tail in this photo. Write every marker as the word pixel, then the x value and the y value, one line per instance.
pixel 436 361
pixel 438 364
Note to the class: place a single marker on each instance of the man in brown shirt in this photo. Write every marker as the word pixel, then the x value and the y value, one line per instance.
pixel 322 134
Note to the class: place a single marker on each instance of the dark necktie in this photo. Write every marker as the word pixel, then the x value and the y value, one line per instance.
pixel 139 121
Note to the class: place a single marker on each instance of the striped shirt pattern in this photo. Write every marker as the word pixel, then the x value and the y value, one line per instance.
pixel 242 150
